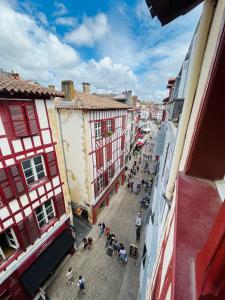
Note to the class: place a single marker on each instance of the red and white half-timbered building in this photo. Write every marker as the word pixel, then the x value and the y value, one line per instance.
pixel 93 131
pixel 34 229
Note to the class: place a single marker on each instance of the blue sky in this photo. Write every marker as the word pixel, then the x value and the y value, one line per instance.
pixel 114 45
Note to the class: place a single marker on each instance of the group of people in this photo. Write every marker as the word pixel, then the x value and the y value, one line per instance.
pixel 80 283
pixel 112 243
pixel 87 243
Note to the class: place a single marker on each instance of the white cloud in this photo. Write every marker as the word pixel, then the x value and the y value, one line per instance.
pixel 142 63
pixel 41 56
pixel 42 17
pixel 90 31
pixel 66 21
pixel 61 10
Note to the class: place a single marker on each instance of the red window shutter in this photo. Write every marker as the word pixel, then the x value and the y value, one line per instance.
pixel 22 235
pixel 123 122
pixel 106 178
pixel 19 121
pixel 32 228
pixel 59 205
pixel 113 124
pixel 109 151
pixel 122 142
pixel 121 161
pixel 32 118
pixel 6 190
pixel 113 169
pixel 99 158
pixel 17 179
pixel 96 188
pixel 51 164
pixel 104 128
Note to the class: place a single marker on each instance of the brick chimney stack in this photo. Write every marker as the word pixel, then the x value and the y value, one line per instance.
pixel 86 88
pixel 68 90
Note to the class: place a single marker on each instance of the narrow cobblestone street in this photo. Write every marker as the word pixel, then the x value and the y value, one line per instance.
pixel 106 278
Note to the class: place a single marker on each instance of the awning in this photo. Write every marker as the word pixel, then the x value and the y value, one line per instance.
pixel 35 276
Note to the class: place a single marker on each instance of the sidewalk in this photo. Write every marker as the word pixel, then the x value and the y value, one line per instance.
pixel 106 278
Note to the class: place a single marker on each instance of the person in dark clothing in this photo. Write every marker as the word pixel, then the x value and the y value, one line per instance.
pixel 85 243
pixel 138 233
pixel 101 228
pixel 90 242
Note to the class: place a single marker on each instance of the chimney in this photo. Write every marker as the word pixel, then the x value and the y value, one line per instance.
pixel 52 87
pixel 134 101
pixel 15 76
pixel 86 88
pixel 68 90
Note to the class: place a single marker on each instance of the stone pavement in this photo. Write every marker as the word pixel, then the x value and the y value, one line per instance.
pixel 106 278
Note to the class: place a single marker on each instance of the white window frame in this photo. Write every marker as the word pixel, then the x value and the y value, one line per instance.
pixel 13 238
pixel 46 219
pixel 14 245
pixel 109 125
pixel 33 168
pixel 98 129
pixel 100 183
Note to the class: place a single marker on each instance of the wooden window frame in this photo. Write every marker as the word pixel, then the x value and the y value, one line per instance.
pixel 98 129
pixel 100 183
pixel 46 219
pixel 33 168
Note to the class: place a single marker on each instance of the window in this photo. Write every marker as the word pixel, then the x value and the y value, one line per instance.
pixel 110 173
pixel 98 129
pixel 45 213
pixel 109 125
pixel 100 183
pixel 8 244
pixel 24 119
pixel 99 158
pixel 12 183
pixel 33 169
pixel 109 151
pixel 122 142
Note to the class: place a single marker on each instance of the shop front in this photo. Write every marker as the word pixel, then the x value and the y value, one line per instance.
pixel 26 282
pixel 105 199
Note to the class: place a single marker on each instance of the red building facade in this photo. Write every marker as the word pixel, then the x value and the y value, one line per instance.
pixel 33 223
pixel 108 130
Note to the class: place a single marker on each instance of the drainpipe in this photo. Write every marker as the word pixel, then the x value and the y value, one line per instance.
pixel 202 36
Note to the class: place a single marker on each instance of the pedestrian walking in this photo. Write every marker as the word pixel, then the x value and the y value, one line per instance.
pixel 69 276
pixel 115 247
pixel 81 285
pixel 90 243
pixel 137 168
pixel 101 228
pixel 85 243
pixel 123 255
pixel 138 233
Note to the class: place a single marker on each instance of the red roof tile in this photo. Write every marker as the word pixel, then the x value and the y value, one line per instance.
pixel 12 86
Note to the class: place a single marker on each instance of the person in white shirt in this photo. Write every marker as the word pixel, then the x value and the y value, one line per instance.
pixel 69 276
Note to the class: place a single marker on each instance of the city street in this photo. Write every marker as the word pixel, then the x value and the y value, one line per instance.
pixel 106 277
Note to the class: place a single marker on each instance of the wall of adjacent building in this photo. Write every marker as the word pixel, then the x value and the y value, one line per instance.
pixel 74 127
pixel 56 135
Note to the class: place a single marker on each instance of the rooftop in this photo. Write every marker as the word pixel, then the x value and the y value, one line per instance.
pixel 12 85
pixel 86 101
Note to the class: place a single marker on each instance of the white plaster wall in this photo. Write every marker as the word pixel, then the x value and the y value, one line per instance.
pixel 72 124
pixel 41 111
pixel 205 71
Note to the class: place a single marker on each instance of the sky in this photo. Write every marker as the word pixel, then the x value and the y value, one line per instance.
pixel 114 45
